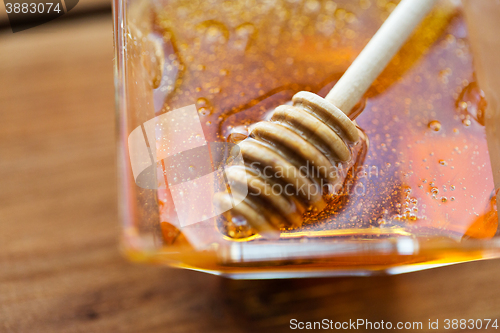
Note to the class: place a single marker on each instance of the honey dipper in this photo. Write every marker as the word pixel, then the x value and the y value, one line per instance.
pixel 313 132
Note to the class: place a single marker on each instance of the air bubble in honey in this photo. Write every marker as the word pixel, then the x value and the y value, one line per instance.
pixel 204 112
pixel 473 102
pixel 434 126
pixel 214 31
pixel 203 106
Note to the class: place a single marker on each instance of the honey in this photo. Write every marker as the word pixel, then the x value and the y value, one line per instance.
pixel 426 173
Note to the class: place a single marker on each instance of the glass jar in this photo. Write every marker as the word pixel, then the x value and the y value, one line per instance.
pixel 193 76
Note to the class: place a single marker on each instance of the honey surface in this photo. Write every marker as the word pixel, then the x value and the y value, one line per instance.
pixel 427 171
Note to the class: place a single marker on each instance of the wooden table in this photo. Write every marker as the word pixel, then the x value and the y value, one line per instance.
pixel 60 269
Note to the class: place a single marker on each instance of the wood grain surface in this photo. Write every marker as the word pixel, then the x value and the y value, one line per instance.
pixel 60 268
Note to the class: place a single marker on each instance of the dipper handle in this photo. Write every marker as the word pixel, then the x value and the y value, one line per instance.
pixel 377 53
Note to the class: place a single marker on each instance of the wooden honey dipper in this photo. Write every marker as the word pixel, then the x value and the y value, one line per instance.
pixel 314 131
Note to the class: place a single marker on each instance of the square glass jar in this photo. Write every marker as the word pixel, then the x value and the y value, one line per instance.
pixel 191 77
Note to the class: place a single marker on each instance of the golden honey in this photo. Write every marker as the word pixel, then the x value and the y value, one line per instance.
pixel 426 174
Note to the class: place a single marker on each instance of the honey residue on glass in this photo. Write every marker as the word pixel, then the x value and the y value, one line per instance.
pixel 427 171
